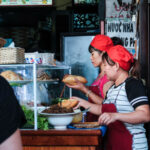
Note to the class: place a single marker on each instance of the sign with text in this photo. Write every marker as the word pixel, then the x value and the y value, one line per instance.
pixel 125 29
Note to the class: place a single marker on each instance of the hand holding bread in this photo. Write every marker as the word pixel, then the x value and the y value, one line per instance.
pixel 71 79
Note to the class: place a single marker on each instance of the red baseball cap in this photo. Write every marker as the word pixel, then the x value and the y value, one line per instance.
pixel 102 42
pixel 122 56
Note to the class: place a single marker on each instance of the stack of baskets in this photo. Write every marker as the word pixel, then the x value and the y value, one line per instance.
pixel 12 55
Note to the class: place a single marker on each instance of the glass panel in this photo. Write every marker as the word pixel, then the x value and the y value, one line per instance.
pixel 47 88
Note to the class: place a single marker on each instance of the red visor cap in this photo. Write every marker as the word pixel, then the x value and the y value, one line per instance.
pixel 122 56
pixel 102 42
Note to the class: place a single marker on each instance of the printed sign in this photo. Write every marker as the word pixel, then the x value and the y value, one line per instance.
pixel 125 29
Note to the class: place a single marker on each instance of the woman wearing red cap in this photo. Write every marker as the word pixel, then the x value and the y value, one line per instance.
pixel 96 92
pixel 126 107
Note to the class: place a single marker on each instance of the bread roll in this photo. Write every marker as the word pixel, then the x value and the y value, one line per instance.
pixel 11 76
pixel 68 103
pixel 70 79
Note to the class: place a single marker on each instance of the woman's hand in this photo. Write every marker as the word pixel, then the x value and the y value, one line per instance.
pixel 78 86
pixel 93 108
pixel 81 102
pixel 140 115
pixel 107 118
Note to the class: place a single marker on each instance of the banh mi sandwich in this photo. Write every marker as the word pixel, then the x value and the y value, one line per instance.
pixel 68 103
pixel 71 79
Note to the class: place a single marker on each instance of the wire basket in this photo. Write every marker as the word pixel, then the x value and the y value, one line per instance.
pixel 12 55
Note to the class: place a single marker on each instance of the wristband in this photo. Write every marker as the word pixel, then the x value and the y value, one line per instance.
pixel 89 91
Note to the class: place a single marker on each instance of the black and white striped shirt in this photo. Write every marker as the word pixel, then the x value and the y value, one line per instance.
pixel 127 97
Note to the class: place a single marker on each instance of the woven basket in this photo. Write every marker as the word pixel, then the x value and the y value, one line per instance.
pixel 12 55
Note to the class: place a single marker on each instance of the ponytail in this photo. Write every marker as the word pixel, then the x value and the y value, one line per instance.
pixel 135 69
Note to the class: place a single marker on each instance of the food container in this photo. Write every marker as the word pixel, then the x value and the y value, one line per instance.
pixel 40 58
pixel 33 58
pixel 47 58
pixel 10 55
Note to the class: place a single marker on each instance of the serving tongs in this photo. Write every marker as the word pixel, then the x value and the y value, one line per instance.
pixel 61 94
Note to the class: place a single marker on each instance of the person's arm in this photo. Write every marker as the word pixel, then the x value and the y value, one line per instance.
pixel 93 108
pixel 13 142
pixel 94 97
pixel 138 100
pixel 84 89
pixel 97 99
pixel 140 115
pixel 12 118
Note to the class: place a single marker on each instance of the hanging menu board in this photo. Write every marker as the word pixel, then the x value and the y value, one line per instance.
pixel 25 2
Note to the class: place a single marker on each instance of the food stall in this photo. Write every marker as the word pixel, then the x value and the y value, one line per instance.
pixel 51 139
pixel 28 80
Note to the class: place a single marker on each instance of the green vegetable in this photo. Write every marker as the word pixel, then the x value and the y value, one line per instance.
pixel 57 100
pixel 41 121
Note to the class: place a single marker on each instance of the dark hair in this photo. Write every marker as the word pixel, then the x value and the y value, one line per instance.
pixel 107 58
pixel 134 71
pixel 117 41
pixel 91 49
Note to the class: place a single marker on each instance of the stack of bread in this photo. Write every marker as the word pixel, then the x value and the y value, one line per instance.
pixel 43 76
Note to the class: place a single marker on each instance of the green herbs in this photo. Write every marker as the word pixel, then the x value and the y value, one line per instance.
pixel 41 121
pixel 57 100
pixel 29 114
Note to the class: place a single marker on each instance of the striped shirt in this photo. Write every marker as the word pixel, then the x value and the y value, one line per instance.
pixel 127 97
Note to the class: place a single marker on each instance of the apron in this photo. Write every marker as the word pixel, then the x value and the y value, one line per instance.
pixel 91 117
pixel 118 137
pixel 97 90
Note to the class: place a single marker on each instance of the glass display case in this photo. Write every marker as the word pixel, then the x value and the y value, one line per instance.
pixel 37 84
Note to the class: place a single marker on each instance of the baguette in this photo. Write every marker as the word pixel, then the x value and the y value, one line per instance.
pixel 70 79
pixel 68 103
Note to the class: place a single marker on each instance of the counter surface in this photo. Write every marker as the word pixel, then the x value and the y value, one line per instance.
pixel 62 139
